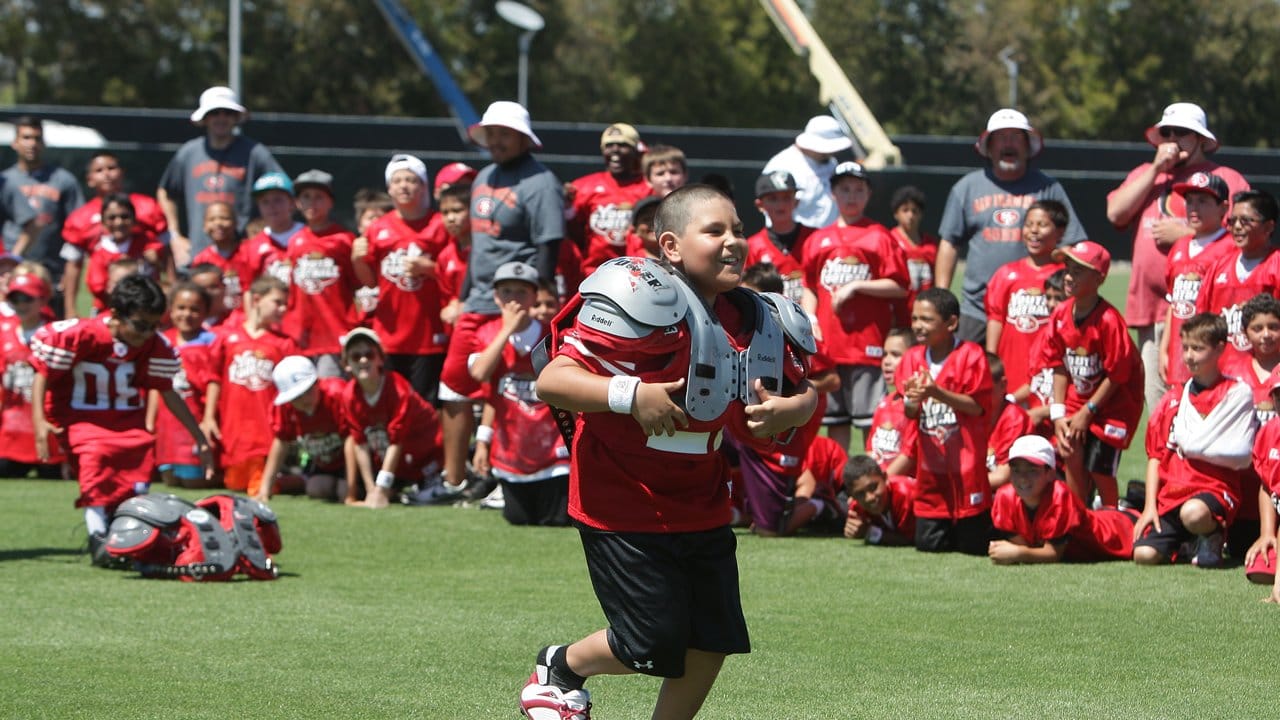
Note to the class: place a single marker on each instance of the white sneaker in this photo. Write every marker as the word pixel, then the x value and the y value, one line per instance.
pixel 494 500
pixel 548 702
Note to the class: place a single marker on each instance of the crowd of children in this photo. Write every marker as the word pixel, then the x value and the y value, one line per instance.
pixel 299 356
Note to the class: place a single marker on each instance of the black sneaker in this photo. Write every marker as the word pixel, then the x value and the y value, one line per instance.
pixel 1135 496
pixel 99 556
pixel 479 488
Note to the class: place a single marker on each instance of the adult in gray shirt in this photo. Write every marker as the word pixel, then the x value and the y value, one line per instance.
pixel 984 214
pixel 38 197
pixel 219 167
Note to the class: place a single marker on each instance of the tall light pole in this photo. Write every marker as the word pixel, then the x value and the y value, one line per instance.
pixel 528 20
pixel 1011 67
pixel 233 47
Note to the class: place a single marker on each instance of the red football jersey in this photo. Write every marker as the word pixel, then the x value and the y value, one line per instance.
pixel 1016 297
pixel 17 437
pixel 1226 292
pixel 1185 278
pixel 891 430
pixel 319 434
pixel 263 255
pixel 950 449
pixel 108 251
pixel 393 242
pixel 322 294
pixel 527 444
pixel 899 516
pixel 1182 478
pixel 1242 367
pixel 1012 424
pixel 1090 535
pixel 1266 458
pixel 243 364
pixel 826 460
pixel 760 249
pixel 395 416
pixel 600 216
pixel 451 270
pixel 1090 350
pixel 237 274
pixel 920 261
pixel 174 445
pixel 95 379
pixel 623 480
pixel 838 254
pixel 83 227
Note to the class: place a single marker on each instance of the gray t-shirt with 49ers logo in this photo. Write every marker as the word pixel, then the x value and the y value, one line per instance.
pixel 985 215
pixel 514 208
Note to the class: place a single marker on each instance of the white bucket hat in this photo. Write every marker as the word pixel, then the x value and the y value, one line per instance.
pixel 504 113
pixel 1009 119
pixel 823 135
pixel 293 376
pixel 1184 115
pixel 217 98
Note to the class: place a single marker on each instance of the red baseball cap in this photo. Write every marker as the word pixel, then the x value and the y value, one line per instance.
pixel 1087 253
pixel 1206 183
pixel 453 174
pixel 29 284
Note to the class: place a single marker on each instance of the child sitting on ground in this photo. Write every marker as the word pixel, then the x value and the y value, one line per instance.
pixel 176 457
pixel 881 507
pixel 28 295
pixel 307 413
pixel 1199 439
pixel 1041 520
pixel 890 428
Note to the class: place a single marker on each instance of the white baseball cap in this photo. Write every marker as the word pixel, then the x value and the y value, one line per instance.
pixel 217 97
pixel 404 161
pixel 504 113
pixel 823 135
pixel 1184 115
pixel 293 376
pixel 1009 119
pixel 1034 449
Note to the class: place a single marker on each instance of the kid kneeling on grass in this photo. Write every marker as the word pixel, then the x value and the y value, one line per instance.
pixel 1199 440
pixel 1042 521
pixel 97 373
pixel 648 487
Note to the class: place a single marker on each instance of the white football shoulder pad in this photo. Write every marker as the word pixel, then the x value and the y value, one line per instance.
pixel 793 319
pixel 629 297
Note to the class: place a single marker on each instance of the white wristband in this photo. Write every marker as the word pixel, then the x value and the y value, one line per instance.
pixel 622 393
pixel 386 479
pixel 484 434
pixel 1057 411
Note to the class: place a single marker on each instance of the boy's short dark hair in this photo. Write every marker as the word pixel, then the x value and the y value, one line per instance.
pixel 644 211
pixel 675 210
pixel 1056 211
pixel 942 300
pixel 458 191
pixel 100 154
pixel 366 198
pixel 1057 281
pixel 28 121
pixel 137 294
pixel 1259 200
pixel 906 194
pixel 188 286
pixel 764 277
pixel 267 283
pixel 903 333
pixel 663 154
pixel 859 466
pixel 1208 328
pixel 1260 304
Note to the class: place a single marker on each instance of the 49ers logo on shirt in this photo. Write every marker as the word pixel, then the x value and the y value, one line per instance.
pixel 231 285
pixel 1041 385
pixel 937 420
pixel 280 270
pixel 841 271
pixel 1027 307
pixel 886 443
pixel 377 438
pixel 18 377
pixel 314 272
pixel 321 447
pixel 1235 328
pixel 393 266
pixel 1186 288
pixel 251 369
pixel 1085 367
pixel 611 223
pixel 1007 218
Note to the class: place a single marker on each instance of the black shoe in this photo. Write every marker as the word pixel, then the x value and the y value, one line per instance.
pixel 1135 496
pixel 99 556
pixel 479 488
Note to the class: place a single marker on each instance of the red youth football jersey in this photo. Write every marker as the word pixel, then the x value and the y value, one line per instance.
pixel 396 416
pixel 322 294
pixel 760 249
pixel 1016 297
pixel 174 445
pixel 17 436
pixel 1186 276
pixel 1090 535
pixel 243 365
pixel 319 434
pixel 600 216
pixel 83 227
pixel 407 316
pixel 1012 424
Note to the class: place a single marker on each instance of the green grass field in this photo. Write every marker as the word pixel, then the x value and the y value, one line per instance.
pixel 437 612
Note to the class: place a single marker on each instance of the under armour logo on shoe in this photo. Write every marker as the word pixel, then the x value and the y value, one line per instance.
pixel 647 665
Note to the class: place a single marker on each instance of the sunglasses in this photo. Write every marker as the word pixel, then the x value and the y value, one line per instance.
pixel 17 298
pixel 1243 220
pixel 1175 132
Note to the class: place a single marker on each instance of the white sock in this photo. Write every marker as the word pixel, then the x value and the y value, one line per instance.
pixel 95 519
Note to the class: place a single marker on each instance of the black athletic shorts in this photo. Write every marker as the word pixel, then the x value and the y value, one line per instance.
pixel 541 502
pixel 664 594
pixel 1173 533
pixel 969 535
pixel 1099 457
pixel 422 372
